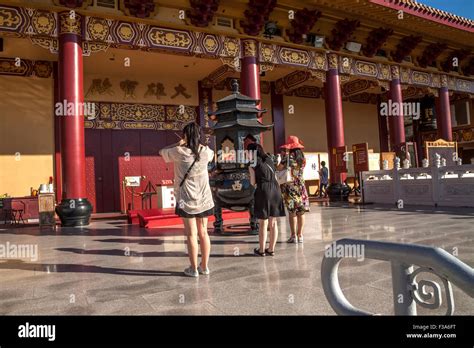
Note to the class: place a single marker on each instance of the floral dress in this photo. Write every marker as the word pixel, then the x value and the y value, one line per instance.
pixel 294 193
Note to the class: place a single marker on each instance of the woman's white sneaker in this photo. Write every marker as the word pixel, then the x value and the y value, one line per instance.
pixel 203 271
pixel 191 272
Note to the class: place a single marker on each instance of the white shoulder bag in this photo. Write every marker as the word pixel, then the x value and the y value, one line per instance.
pixel 284 176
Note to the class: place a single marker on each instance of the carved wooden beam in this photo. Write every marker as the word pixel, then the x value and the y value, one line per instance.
pixel 302 24
pixel 306 92
pixel 218 75
pixel 405 47
pixel 256 14
pixel 73 3
pixel 375 41
pixel 453 62
pixel 341 33
pixel 431 53
pixel 363 98
pixel 26 68
pixel 468 69
pixel 358 86
pixel 292 81
pixel 413 92
pixel 202 12
pixel 139 8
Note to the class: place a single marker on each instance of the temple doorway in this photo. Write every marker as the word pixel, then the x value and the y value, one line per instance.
pixel 111 155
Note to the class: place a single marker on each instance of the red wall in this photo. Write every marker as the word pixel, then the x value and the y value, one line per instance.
pixel 113 154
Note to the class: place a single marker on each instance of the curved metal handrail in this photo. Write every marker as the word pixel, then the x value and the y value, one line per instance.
pixel 405 287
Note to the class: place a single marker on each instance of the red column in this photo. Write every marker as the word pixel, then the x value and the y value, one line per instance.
pixel 57 139
pixel 397 125
pixel 74 209
pixel 443 117
pixel 72 126
pixel 334 117
pixel 250 73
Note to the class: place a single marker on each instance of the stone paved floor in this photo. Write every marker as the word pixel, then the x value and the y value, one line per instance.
pixel 86 271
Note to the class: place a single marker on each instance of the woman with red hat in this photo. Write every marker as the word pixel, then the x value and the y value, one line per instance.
pixel 294 192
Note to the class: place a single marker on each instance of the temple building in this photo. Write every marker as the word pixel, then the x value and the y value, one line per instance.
pixel 91 90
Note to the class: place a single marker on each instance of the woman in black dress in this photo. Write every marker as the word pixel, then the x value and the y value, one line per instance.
pixel 268 200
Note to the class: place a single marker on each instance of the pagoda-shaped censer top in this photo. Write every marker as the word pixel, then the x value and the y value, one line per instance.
pixel 237 124
pixel 238 110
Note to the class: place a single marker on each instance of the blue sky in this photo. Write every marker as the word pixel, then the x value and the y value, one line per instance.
pixel 464 8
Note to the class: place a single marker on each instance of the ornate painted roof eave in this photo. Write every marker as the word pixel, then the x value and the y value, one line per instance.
pixel 429 13
pixel 103 32
pixel 170 25
pixel 373 15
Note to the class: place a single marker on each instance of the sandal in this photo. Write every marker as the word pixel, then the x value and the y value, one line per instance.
pixel 270 253
pixel 256 251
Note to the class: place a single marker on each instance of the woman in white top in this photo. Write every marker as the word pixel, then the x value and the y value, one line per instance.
pixel 193 193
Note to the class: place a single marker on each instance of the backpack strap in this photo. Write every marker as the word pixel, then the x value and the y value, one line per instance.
pixel 189 169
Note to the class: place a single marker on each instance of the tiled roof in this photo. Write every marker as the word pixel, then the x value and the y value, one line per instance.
pixel 429 11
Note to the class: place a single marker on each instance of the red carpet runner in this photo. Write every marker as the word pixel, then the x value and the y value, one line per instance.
pixel 154 218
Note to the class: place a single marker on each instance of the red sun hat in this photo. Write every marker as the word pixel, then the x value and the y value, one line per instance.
pixel 293 143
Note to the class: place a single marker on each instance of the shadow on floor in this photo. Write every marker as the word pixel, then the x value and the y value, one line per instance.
pixel 78 231
pixel 121 252
pixel 74 268
pixel 466 212
pixel 108 230
pixel 155 241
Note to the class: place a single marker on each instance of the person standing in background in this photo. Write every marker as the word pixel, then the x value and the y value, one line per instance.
pixel 323 180
pixel 294 192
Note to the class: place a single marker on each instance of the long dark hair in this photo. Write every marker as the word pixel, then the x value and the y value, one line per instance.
pixel 260 151
pixel 298 155
pixel 192 132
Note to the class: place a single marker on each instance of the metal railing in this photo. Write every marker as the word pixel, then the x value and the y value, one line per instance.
pixel 407 290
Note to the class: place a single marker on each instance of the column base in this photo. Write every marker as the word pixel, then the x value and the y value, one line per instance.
pixel 74 212
pixel 338 192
